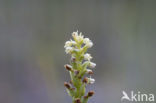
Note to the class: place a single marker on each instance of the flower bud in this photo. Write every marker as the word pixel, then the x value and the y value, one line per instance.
pixel 67 85
pixel 90 93
pixel 85 80
pixel 73 59
pixel 68 67
pixel 77 37
pixel 77 100
pixel 77 72
pixel 89 71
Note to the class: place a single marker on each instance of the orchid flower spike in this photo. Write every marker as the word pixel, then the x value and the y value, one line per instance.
pixel 78 67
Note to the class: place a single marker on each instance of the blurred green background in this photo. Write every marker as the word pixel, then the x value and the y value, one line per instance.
pixel 32 57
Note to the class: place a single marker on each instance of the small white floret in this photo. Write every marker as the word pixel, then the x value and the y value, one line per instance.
pixel 89 45
pixel 77 37
pixel 92 65
pixel 68 50
pixel 75 34
pixel 87 57
pixel 91 80
pixel 88 42
pixel 69 43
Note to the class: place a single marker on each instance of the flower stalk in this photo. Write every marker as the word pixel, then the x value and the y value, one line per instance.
pixel 78 68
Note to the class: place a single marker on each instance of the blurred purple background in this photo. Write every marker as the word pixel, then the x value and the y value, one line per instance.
pixel 32 37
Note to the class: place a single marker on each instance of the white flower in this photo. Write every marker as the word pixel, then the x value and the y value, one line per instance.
pixel 75 34
pixel 91 80
pixel 88 42
pixel 87 57
pixel 69 43
pixel 77 37
pixel 92 65
pixel 68 50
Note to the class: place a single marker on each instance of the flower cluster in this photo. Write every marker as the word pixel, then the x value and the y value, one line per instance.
pixel 78 67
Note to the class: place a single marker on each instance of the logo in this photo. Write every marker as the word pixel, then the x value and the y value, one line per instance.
pixel 132 96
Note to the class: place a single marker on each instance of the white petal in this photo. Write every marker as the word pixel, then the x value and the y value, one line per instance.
pixel 91 80
pixel 87 57
pixel 68 50
pixel 92 65
pixel 86 40
pixel 89 44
